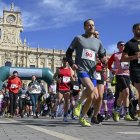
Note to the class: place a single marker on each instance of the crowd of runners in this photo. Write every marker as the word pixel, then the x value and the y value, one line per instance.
pixel 80 86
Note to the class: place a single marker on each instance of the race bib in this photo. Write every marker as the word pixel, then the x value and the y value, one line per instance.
pixel 88 54
pixel 138 60
pixel 76 87
pixel 13 86
pixel 23 96
pixel 124 65
pixel 97 75
pixel 66 79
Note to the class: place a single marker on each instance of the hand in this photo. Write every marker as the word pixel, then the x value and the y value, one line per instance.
pixel 137 55
pixel 74 67
pixel 114 71
pixel 59 80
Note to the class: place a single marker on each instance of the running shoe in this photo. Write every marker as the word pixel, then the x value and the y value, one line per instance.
pixel 84 122
pixel 100 118
pixel 94 120
pixel 10 116
pixel 128 117
pixel 107 117
pixel 116 116
pixel 77 110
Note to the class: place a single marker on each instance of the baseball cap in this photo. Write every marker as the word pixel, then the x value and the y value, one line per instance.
pixel 120 42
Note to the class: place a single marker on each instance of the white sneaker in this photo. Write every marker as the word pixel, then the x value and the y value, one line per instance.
pixel 32 114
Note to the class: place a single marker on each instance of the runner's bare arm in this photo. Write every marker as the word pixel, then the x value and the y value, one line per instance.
pixel 126 58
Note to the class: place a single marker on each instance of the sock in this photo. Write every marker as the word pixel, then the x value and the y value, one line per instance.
pixel 117 108
pixel 126 109
pixel 106 113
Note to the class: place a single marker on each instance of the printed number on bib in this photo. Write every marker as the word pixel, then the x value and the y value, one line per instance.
pixel 13 85
pixel 97 75
pixel 66 79
pixel 88 54
pixel 76 87
pixel 124 65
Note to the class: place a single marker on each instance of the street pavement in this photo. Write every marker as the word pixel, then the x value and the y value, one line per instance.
pixel 45 128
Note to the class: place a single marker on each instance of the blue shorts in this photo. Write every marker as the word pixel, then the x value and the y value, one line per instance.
pixel 86 75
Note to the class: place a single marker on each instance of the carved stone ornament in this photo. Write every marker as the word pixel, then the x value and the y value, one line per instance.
pixel 32 58
pixel 7 54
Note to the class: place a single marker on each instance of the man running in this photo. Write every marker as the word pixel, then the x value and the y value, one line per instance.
pixel 131 54
pixel 86 47
pixel 121 70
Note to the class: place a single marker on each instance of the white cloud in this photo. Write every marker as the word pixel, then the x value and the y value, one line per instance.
pixel 59 13
pixel 29 20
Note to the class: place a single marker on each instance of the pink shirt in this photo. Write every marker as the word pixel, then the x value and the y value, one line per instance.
pixel 123 67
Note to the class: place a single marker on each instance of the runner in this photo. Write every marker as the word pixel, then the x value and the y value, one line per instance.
pixel 13 85
pixel 121 70
pixel 131 54
pixel 34 90
pixel 86 47
pixel 63 77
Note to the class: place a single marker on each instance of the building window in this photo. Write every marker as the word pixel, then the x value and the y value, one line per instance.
pixel 8 64
pixel 32 66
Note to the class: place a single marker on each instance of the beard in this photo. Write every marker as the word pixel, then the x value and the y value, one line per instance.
pixel 137 34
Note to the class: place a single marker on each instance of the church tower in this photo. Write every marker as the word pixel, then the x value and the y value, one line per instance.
pixel 10 28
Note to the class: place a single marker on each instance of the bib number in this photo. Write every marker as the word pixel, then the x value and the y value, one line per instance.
pixel 124 65
pixel 13 86
pixel 88 54
pixel 66 79
pixel 97 75
pixel 76 87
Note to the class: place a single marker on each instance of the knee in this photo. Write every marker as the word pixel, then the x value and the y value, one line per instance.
pixel 100 98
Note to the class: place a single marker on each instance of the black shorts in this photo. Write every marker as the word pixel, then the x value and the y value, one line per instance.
pixel 135 76
pixel 102 80
pixel 123 82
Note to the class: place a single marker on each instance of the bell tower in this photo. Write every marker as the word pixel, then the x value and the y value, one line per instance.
pixel 10 28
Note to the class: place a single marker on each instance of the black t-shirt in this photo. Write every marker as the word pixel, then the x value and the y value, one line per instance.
pixel 131 48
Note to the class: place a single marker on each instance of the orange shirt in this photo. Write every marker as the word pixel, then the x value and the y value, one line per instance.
pixel 14 83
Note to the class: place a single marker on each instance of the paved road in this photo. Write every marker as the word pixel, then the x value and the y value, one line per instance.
pixel 56 129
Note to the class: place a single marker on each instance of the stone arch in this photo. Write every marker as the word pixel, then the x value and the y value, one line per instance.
pixel 8 64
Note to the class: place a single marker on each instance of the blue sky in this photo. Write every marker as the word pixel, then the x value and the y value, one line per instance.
pixel 54 23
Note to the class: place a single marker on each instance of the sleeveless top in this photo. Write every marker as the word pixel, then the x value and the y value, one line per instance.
pixel 64 76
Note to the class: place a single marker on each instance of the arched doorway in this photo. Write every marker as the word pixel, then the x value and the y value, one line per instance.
pixel 8 64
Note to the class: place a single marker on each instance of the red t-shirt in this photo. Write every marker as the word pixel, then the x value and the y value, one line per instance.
pixel 14 83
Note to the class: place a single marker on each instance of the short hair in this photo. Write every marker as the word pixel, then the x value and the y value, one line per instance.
pixel 135 26
pixel 85 22
pixel 64 59
pixel 15 72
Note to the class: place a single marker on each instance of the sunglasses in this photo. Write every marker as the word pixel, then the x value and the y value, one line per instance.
pixel 121 45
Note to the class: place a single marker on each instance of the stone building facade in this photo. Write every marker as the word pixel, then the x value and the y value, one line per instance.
pixel 17 53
